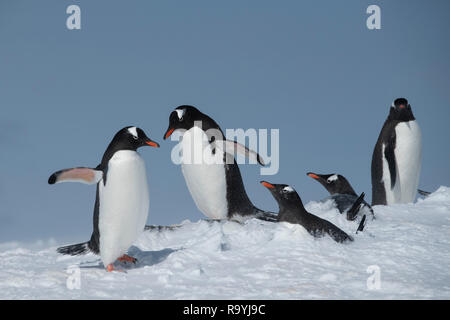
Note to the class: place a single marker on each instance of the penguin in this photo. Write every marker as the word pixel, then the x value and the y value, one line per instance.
pixel 122 199
pixel 342 193
pixel 293 211
pixel 397 157
pixel 209 167
pixel 423 193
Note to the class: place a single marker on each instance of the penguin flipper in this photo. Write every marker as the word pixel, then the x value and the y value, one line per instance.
pixel 423 193
pixel 267 216
pixel 74 249
pixel 80 174
pixel 264 215
pixel 389 153
pixel 354 210
pixel 362 224
pixel 229 147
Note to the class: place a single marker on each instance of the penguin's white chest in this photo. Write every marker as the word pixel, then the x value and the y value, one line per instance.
pixel 204 173
pixel 124 203
pixel 408 154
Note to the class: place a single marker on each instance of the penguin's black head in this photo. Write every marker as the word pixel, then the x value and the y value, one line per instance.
pixel 334 183
pixel 132 138
pixel 185 117
pixel 401 110
pixel 285 195
pixel 400 104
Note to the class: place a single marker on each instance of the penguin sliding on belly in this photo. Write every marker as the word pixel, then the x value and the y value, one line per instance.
pixel 397 157
pixel 209 168
pixel 293 211
pixel 122 200
pixel 342 193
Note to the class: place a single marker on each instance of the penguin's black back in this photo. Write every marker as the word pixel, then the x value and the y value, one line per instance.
pixel 343 201
pixel 387 136
pixel 237 198
pixel 319 227
pixel 295 212
pixel 316 226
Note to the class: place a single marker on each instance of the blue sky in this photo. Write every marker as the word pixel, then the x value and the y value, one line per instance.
pixel 311 69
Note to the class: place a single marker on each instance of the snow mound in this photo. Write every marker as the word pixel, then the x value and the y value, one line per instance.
pixel 406 248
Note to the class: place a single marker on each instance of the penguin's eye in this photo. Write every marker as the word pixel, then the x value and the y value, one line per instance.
pixel 135 137
pixel 181 119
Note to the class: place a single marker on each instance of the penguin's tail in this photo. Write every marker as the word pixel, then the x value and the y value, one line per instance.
pixel 74 249
pixel 265 215
pixel 423 193
pixel 161 228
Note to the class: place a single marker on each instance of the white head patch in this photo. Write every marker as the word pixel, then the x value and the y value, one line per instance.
pixel 332 178
pixel 180 113
pixel 133 132
pixel 288 189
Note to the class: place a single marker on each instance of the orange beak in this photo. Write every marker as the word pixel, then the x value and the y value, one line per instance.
pixel 168 133
pixel 267 185
pixel 314 176
pixel 152 144
pixel 402 106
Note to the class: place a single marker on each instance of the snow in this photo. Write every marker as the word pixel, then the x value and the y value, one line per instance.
pixel 408 243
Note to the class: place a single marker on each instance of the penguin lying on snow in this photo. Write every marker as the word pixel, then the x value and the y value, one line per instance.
pixel 341 192
pixel 293 211
pixel 122 200
pixel 397 157
pixel 215 183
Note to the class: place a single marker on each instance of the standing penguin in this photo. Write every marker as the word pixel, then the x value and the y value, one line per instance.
pixel 122 200
pixel 293 211
pixel 341 192
pixel 397 157
pixel 209 168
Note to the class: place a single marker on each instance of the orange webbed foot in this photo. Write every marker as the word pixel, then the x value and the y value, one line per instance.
pixel 127 258
pixel 110 268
